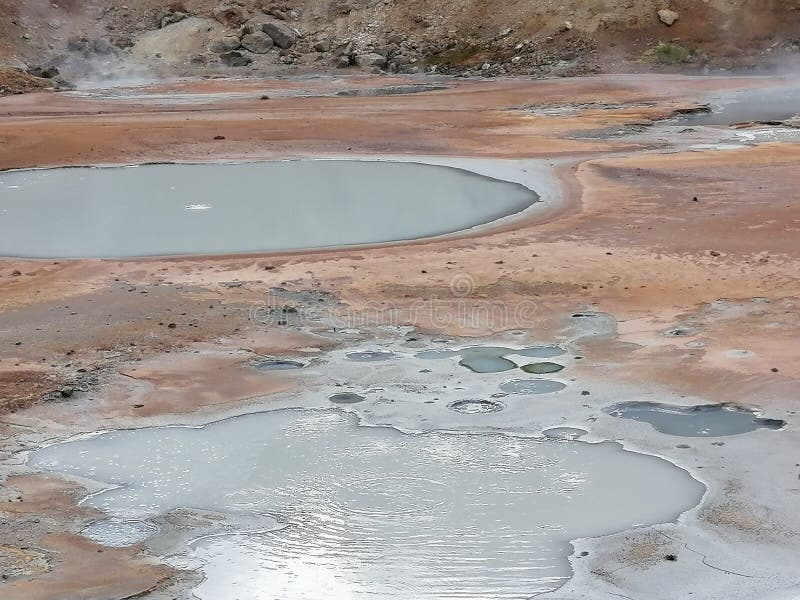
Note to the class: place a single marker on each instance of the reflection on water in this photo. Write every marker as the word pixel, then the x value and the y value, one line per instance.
pixel 373 513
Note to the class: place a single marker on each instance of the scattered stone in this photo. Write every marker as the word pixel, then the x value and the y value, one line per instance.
pixel 235 59
pixel 100 46
pixel 668 17
pixel 229 43
pixel 343 62
pixel 671 557
pixel 283 35
pixel 229 14
pixel 172 17
pixel 257 42
pixel 323 45
pixel 371 59
pixel 714 253
pixel 172 325
pixel 221 137
pixel 45 72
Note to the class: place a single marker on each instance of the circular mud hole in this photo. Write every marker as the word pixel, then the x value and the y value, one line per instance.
pixel 277 365
pixel 476 407
pixel 370 356
pixel 346 398
pixel 532 386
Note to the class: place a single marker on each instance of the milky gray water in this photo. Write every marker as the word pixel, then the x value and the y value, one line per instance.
pixel 712 420
pixel 361 513
pixel 232 208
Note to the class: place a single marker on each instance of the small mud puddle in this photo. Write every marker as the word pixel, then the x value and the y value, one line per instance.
pixel 371 356
pixel 491 359
pixel 532 386
pixel 178 209
pixel 369 512
pixel 712 420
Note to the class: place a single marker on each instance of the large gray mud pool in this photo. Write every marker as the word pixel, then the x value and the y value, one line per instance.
pixel 709 420
pixel 369 512
pixel 758 105
pixel 170 209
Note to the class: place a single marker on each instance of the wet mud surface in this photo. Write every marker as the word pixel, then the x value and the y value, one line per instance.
pixel 664 265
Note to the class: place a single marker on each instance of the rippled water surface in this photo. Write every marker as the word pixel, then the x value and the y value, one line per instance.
pixel 369 512
pixel 251 207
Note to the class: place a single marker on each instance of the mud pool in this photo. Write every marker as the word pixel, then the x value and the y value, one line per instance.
pixel 178 209
pixel 357 512
pixel 762 105
pixel 491 359
pixel 712 420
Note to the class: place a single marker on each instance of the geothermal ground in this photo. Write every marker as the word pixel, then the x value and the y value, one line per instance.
pixel 587 393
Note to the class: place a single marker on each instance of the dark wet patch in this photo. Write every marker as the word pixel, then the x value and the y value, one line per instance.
pixel 346 398
pixel 705 420
pixel 393 90
pixel 543 368
pixel 476 407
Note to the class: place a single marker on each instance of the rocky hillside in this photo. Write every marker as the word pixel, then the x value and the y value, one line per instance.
pixel 115 38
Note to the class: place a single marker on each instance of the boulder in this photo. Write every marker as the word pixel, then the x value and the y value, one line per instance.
pixel 45 72
pixel 257 42
pixel 172 17
pixel 343 62
pixel 235 59
pixel 668 17
pixel 226 43
pixel 283 35
pixel 323 45
pixel 229 14
pixel 371 59
pixel 100 46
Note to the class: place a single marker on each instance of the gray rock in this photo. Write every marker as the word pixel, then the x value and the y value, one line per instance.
pixel 343 62
pixel 225 44
pixel 235 59
pixel 257 42
pixel 668 17
pixel 283 35
pixel 388 50
pixel 229 14
pixel 100 46
pixel 371 59
pixel 323 46
pixel 45 72
pixel 172 17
